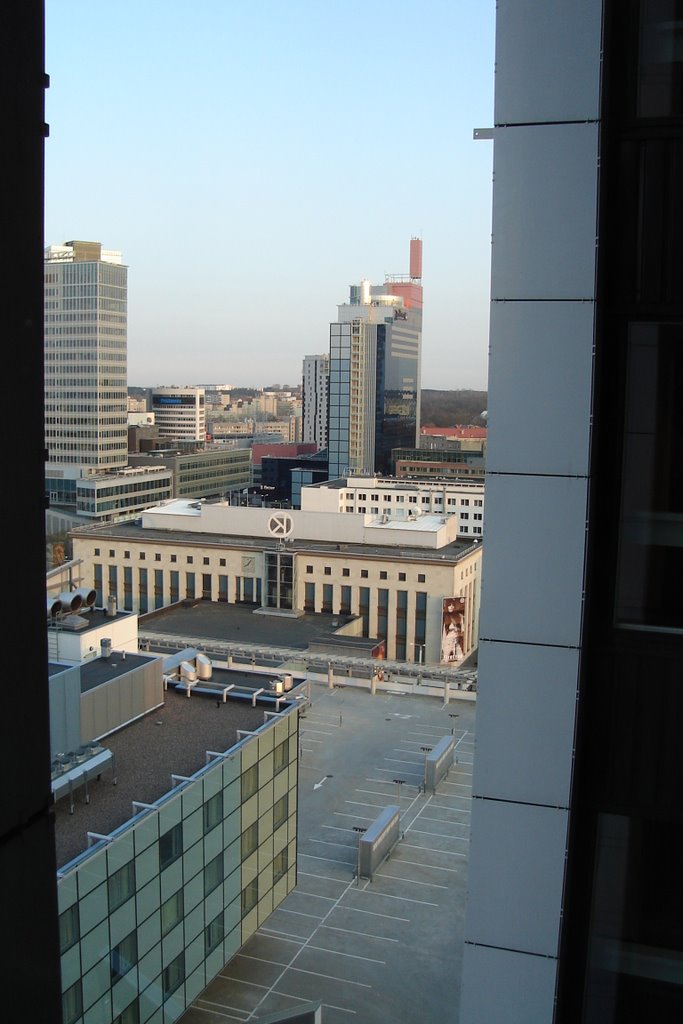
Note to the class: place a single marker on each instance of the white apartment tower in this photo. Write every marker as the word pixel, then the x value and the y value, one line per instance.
pixel 315 390
pixel 85 365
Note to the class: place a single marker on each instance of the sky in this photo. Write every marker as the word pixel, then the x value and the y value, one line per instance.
pixel 252 160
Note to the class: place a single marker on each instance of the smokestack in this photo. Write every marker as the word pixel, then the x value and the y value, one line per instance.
pixel 416 258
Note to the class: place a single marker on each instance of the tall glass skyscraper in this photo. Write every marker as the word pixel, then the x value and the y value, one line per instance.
pixel 375 350
pixel 85 365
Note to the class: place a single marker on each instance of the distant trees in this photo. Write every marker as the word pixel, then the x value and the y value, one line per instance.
pixel 453 408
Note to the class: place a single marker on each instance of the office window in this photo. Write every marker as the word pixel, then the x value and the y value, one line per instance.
pixel 126 554
pixel 173 975
pixel 364 574
pixel 213 874
pixel 280 811
pixel 170 846
pixel 174 558
pixel 112 553
pixel 309 597
pixel 279 865
pixel 328 570
pixel 69 929
pixel 124 956
pixel 465 501
pixel 72 1003
pixel 249 782
pixel 141 556
pixel 345 601
pixel 249 840
pixel 131 1014
pixel 402 577
pixel 189 585
pixel 464 515
pixel 383 574
pixel 121 885
pixel 97 552
pixel 157 557
pixel 213 812
pixel 213 933
pixel 222 562
pixel 309 568
pixel 190 559
pixel 346 572
pixel 172 912
pixel 327 598
pixel 280 756
pixel 206 561
pixel 249 896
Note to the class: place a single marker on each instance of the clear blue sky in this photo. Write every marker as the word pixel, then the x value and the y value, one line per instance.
pixel 251 160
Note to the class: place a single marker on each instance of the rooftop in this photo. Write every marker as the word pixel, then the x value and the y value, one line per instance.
pixel 173 739
pixel 132 531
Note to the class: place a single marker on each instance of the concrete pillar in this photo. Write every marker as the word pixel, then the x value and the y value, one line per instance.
pixel 330 676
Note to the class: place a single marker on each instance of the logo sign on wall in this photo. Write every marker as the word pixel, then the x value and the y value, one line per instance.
pixel 281 525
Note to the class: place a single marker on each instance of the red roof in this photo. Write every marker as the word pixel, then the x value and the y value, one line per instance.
pixel 454 431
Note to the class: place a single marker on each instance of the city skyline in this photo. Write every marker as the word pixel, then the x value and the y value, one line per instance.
pixel 248 161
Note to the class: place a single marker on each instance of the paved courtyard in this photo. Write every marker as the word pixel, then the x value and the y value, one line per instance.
pixel 375 951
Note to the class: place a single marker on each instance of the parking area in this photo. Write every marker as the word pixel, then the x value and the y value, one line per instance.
pixel 384 950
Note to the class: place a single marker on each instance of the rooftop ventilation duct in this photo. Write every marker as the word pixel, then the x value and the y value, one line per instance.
pixel 88 597
pixel 187 671
pixel 54 606
pixel 71 600
pixel 203 666
pixel 105 647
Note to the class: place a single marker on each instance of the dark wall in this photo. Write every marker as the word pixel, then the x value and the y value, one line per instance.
pixel 29 965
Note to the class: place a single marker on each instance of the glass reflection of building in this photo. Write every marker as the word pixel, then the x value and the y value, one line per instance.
pixel 374 391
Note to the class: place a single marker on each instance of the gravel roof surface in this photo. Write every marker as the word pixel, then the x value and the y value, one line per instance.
pixel 172 739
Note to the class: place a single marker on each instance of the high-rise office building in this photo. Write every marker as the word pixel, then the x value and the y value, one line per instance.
pixel 374 395
pixel 575 884
pixel 180 413
pixel 314 393
pixel 86 429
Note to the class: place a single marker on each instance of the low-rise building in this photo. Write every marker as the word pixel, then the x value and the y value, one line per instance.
pixel 208 472
pixel 393 575
pixel 399 499
pixel 175 820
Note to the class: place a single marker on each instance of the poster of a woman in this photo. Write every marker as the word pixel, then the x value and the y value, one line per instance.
pixel 452 630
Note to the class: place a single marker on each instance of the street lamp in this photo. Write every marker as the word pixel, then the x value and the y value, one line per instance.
pixel 452 715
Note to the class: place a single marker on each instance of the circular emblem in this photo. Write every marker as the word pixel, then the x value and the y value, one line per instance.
pixel 280 524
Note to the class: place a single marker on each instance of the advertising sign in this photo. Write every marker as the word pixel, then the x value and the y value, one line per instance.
pixel 452 630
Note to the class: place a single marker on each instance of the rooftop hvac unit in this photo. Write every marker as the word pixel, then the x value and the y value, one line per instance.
pixel 71 601
pixel 105 647
pixel 288 683
pixel 204 667
pixel 111 606
pixel 187 671
pixel 54 606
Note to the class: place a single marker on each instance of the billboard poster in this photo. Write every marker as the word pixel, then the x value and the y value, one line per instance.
pixel 452 630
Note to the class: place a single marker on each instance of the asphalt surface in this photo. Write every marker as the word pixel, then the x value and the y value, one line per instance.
pixel 375 951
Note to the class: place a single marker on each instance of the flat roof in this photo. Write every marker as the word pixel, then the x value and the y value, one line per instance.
pixel 86 619
pixel 101 670
pixel 133 532
pixel 242 624
pixel 173 738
